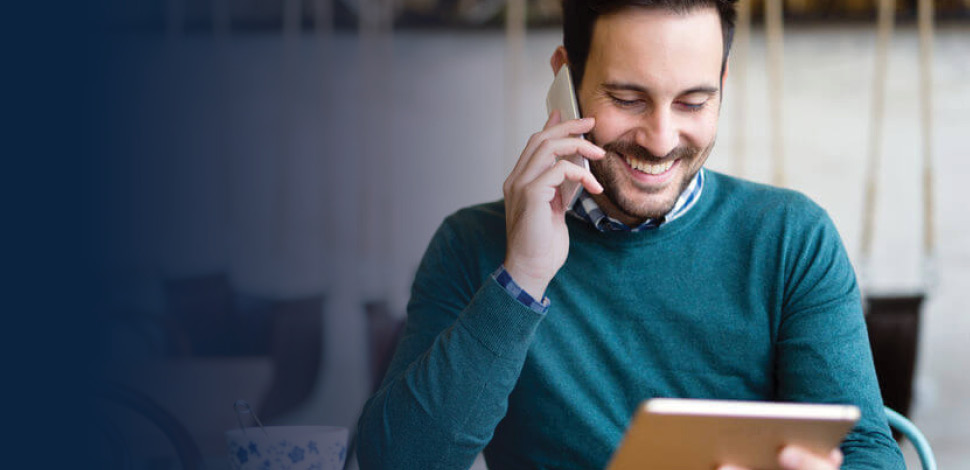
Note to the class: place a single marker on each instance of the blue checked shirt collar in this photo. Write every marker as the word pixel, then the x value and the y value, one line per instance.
pixel 587 209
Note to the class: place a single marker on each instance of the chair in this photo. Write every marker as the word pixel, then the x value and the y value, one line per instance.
pixel 900 423
pixel 384 330
pixel 201 307
pixel 297 347
pixel 142 405
pixel 893 324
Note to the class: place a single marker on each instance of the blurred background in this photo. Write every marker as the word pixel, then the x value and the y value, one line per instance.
pixel 276 169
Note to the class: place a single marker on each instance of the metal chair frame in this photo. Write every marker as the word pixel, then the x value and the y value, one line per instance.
pixel 908 429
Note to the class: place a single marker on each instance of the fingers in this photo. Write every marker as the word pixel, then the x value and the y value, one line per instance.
pixel 552 150
pixel 552 130
pixel 796 458
pixel 836 457
pixel 565 170
pixel 544 189
pixel 555 117
pixel 558 130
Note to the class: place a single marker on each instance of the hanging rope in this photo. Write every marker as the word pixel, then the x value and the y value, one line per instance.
pixel 883 35
pixel 739 72
pixel 925 19
pixel 774 24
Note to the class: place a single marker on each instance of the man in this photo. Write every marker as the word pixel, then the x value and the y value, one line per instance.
pixel 534 330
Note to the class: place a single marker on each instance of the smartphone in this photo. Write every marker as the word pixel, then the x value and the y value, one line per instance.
pixel 691 434
pixel 562 96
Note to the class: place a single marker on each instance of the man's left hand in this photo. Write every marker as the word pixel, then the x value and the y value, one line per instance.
pixel 796 458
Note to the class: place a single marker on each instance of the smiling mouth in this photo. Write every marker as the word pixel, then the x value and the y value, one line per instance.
pixel 649 168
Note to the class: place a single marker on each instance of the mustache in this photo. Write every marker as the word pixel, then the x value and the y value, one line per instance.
pixel 633 150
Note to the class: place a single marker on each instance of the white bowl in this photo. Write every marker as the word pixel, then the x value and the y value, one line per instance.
pixel 287 448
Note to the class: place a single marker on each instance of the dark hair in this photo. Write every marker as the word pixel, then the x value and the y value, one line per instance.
pixel 579 16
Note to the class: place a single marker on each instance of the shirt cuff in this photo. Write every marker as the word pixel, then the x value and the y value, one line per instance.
pixel 505 280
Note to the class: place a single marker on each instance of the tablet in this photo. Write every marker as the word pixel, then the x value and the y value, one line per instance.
pixel 690 434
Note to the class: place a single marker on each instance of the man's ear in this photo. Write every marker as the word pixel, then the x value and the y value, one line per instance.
pixel 558 59
pixel 725 73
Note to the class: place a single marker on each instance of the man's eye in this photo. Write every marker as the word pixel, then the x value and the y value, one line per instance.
pixel 624 103
pixel 693 106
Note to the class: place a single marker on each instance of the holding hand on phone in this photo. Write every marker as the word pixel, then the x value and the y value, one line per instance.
pixel 535 216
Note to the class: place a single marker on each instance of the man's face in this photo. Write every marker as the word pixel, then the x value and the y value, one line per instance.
pixel 652 81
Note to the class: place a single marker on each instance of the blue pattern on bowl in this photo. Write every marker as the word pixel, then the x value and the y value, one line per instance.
pixel 286 455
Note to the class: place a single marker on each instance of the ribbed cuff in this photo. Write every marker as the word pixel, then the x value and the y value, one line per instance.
pixel 505 280
pixel 503 324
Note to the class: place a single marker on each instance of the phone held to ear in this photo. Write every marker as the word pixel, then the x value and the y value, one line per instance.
pixel 562 96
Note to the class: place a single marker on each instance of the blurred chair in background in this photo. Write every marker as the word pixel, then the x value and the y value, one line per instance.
pixel 900 424
pixel 202 307
pixel 121 454
pixel 219 321
pixel 893 324
pixel 297 352
pixel 384 329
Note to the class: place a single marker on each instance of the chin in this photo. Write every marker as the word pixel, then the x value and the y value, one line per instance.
pixel 639 203
pixel 645 206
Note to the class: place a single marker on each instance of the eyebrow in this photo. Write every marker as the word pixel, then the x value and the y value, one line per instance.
pixel 621 86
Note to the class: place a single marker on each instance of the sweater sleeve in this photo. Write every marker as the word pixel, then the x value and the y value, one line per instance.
pixel 823 352
pixel 448 384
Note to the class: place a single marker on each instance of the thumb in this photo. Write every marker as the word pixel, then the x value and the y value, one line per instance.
pixel 796 458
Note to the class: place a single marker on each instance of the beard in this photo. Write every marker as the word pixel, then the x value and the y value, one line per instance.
pixel 645 203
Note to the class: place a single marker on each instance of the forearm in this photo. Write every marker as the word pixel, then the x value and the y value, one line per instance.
pixel 445 394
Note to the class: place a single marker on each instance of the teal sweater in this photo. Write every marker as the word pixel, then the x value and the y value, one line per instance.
pixel 749 296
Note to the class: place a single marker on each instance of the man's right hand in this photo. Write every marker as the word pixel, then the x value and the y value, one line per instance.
pixel 535 226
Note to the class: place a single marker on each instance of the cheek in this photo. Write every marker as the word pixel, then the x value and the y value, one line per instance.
pixel 699 130
pixel 611 125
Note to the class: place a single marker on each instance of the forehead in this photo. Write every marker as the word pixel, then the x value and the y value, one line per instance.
pixel 653 45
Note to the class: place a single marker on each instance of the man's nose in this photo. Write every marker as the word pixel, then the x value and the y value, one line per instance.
pixel 657 132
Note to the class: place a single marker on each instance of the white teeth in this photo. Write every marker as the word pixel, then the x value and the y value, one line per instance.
pixel 649 168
